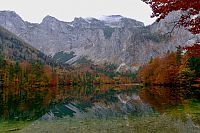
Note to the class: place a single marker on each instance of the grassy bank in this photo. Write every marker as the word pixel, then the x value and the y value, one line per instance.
pixel 153 124
pixel 13 126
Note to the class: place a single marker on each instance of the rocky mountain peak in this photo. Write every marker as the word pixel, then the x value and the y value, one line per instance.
pixel 12 21
pixel 10 16
pixel 49 18
pixel 114 38
pixel 50 23
pixel 9 13
pixel 80 23
pixel 113 21
pixel 80 19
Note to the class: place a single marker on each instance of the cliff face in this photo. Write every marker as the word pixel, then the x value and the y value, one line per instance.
pixel 11 47
pixel 113 39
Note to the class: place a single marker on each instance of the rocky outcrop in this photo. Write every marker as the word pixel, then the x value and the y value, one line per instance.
pixel 13 48
pixel 114 39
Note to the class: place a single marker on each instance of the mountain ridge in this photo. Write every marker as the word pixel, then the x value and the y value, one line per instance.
pixel 118 40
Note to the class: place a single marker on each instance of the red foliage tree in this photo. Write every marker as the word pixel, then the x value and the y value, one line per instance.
pixel 190 12
pixel 193 50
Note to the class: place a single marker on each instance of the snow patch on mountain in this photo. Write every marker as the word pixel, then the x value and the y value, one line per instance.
pixel 111 19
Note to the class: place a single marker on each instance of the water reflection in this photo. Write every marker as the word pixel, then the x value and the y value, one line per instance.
pixel 93 101
pixel 24 103
pixel 168 99
pixel 101 101
pixel 32 103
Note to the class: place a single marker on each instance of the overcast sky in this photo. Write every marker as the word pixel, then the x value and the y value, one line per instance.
pixel 66 10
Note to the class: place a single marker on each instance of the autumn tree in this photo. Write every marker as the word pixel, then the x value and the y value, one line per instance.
pixel 147 73
pixel 189 10
pixel 189 18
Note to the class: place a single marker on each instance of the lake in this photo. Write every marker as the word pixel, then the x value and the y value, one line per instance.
pixel 101 101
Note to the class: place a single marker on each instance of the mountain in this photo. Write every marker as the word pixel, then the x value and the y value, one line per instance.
pixel 114 38
pixel 13 48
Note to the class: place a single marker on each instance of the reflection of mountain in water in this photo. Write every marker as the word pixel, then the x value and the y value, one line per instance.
pixel 106 101
pixel 93 101
pixel 121 103
pixel 28 103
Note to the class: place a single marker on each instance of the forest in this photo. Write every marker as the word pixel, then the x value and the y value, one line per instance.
pixel 180 68
pixel 39 74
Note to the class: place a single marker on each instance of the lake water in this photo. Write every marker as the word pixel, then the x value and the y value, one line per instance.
pixel 102 101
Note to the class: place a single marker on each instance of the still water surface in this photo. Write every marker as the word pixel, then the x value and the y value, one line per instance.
pixel 30 103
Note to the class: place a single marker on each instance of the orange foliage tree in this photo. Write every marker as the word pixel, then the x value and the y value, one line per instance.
pixel 189 11
pixel 166 70
pixel 147 73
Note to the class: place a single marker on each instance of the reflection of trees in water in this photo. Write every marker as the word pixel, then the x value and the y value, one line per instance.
pixel 164 98
pixel 17 102
pixel 24 102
